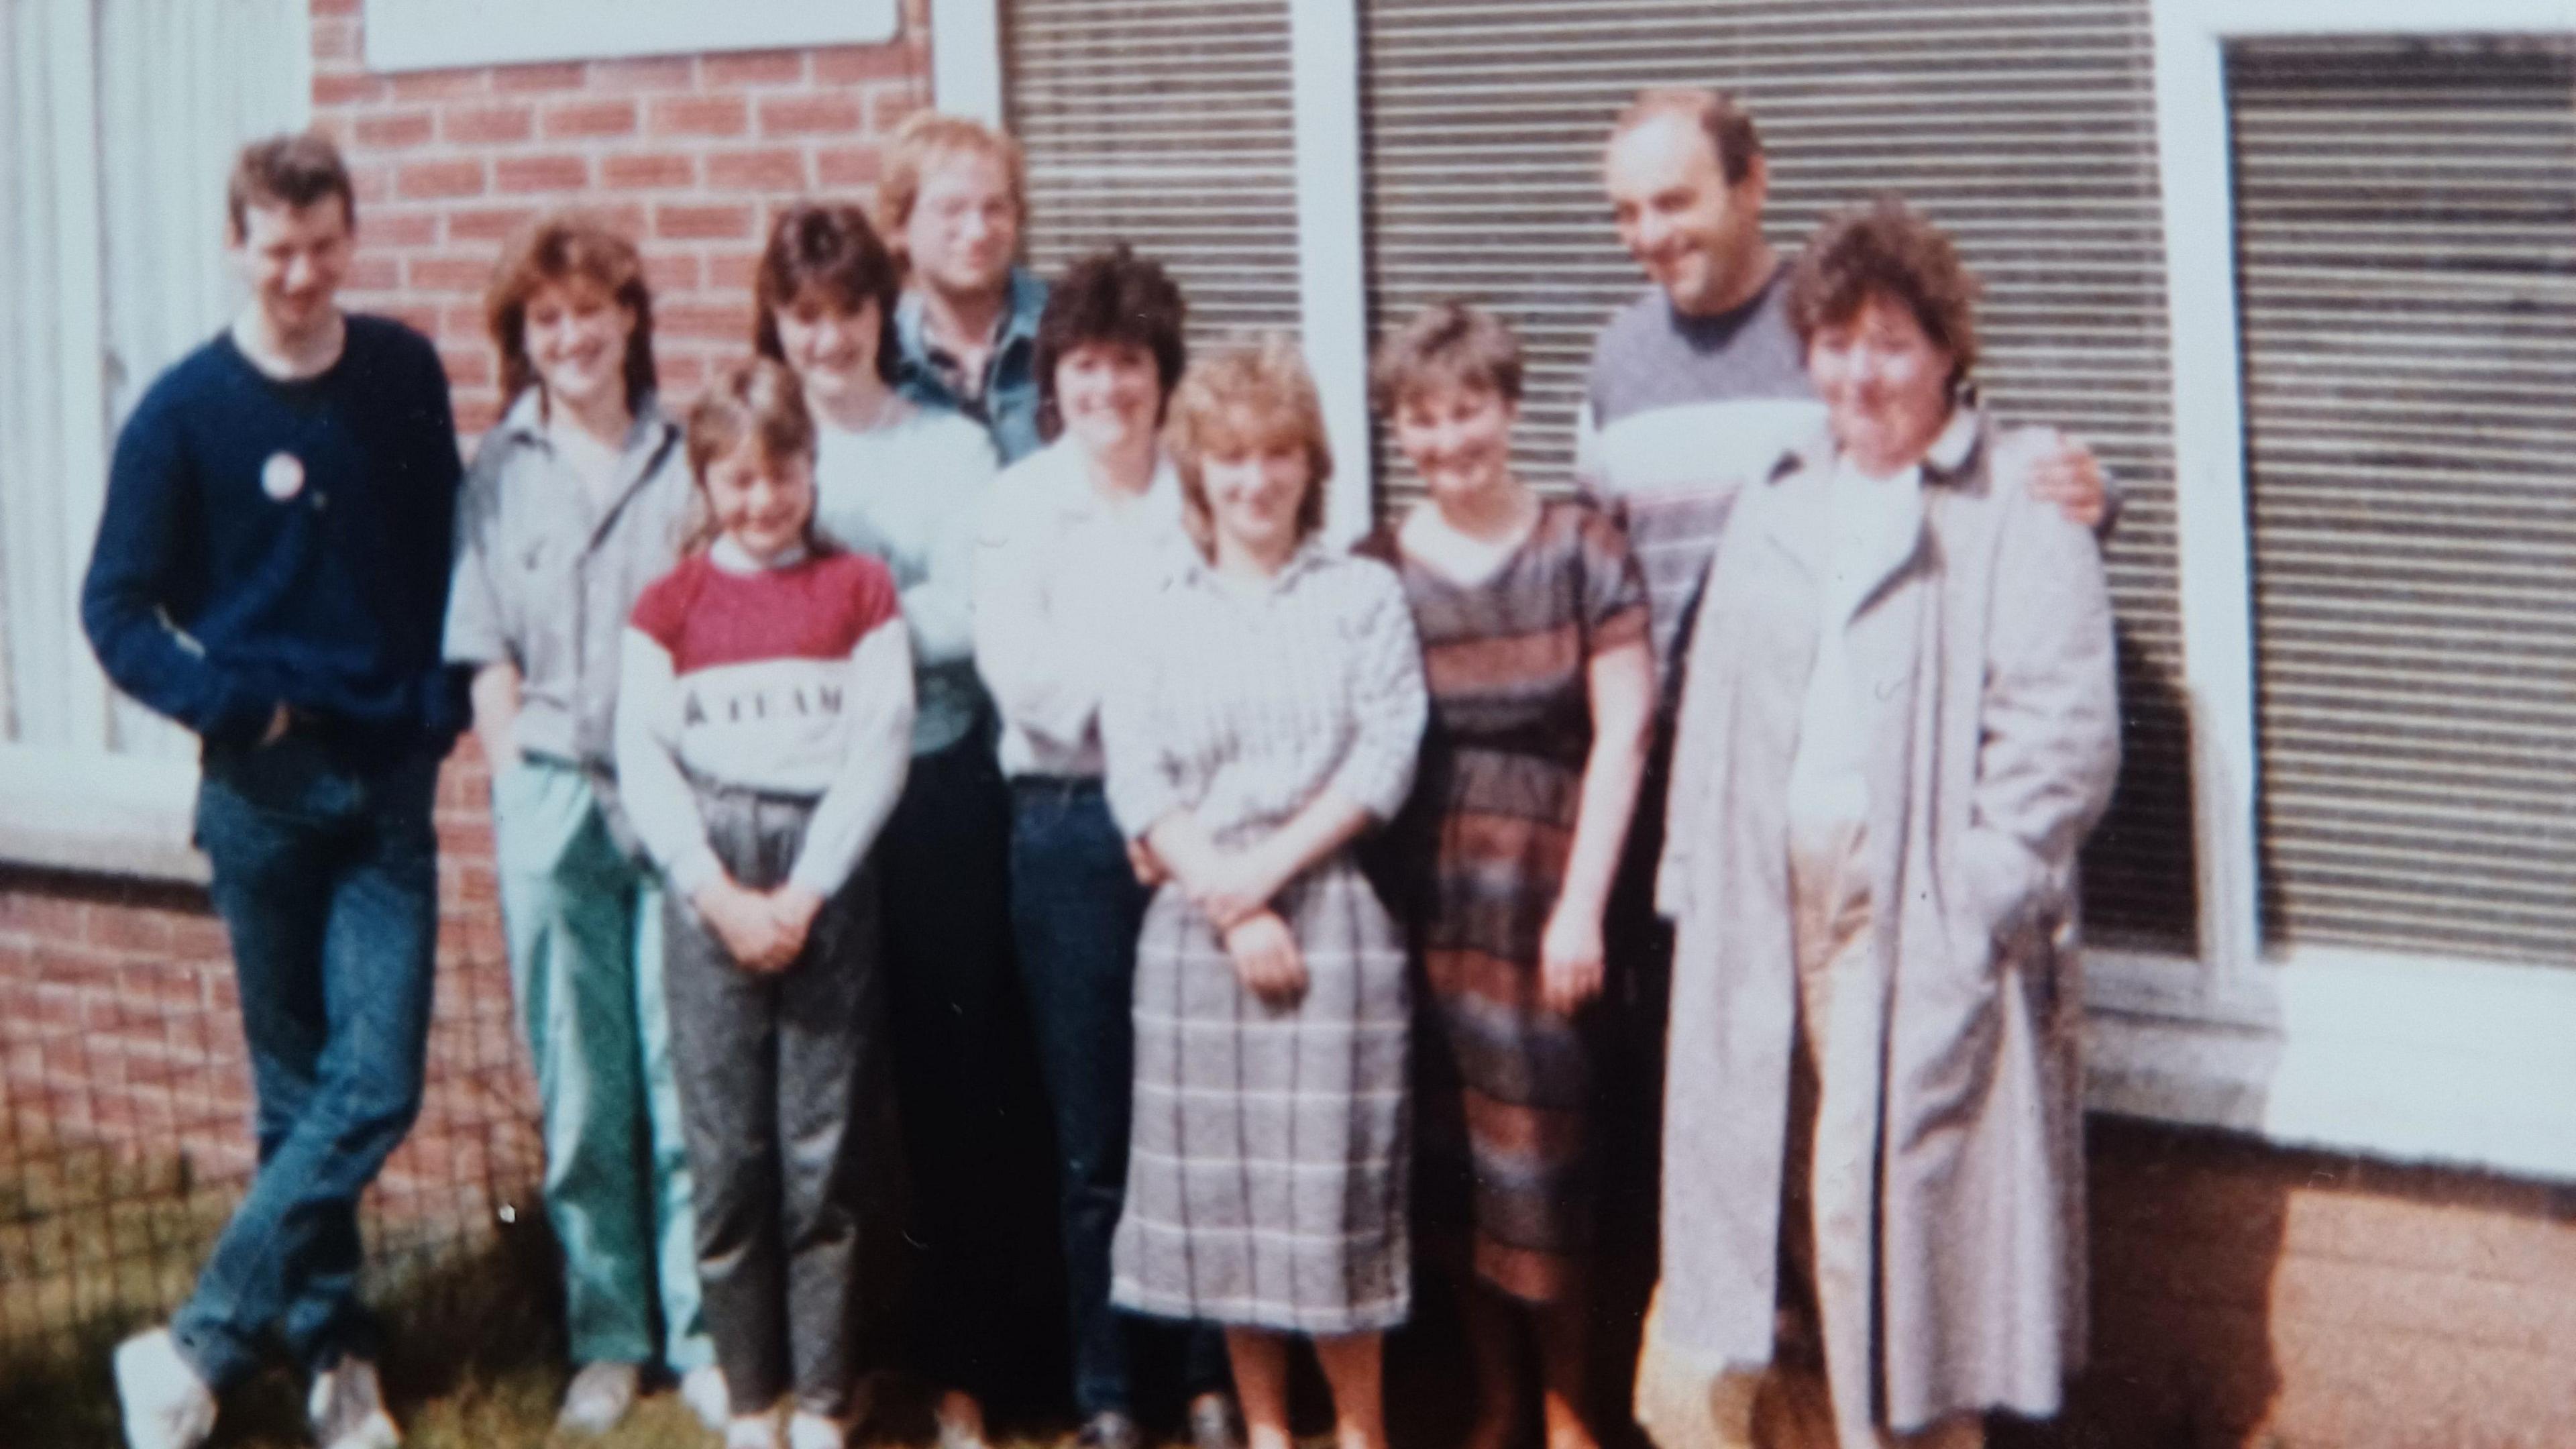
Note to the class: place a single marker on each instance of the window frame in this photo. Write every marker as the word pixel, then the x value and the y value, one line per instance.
pixel 91 809
pixel 2388 1053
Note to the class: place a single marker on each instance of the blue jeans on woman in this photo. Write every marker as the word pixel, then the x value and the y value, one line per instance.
pixel 326 876
pixel 1077 909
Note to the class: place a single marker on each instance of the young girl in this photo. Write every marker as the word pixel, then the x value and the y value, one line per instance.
pixel 762 734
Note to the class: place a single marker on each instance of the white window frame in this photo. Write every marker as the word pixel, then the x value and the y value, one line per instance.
pixel 88 809
pixel 2392 1054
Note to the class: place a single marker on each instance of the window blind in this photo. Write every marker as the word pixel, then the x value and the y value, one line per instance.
pixel 1167 124
pixel 2024 127
pixel 2406 214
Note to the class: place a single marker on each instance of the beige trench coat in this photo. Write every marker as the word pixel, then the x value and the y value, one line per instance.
pixel 1993 745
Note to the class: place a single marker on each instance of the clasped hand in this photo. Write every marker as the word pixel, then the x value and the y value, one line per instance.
pixel 764 930
pixel 1233 889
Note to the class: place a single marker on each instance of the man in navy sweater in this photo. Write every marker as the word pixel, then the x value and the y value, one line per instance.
pixel 271 571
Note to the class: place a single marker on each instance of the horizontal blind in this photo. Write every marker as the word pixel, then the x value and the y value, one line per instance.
pixel 1167 124
pixel 2406 214
pixel 2023 127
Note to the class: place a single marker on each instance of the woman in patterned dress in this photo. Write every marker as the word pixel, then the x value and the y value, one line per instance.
pixel 1271 709
pixel 1532 616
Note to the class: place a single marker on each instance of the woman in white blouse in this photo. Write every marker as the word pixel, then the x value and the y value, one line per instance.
pixel 1067 529
pixel 1269 708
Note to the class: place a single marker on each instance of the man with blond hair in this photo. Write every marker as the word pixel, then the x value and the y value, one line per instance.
pixel 952 203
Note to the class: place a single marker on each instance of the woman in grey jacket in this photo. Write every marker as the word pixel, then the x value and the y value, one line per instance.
pixel 1898 724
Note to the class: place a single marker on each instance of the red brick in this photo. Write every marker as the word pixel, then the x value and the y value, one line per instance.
pixel 335 40
pixel 558 172
pixel 391 128
pixel 648 73
pixel 476 413
pixel 732 271
pixel 817 115
pixel 683 373
pixel 467 367
pixel 648 170
pixel 389 228
pixel 443 273
pixel 441 85
pixel 374 272
pixel 699 116
pixel 337 7
pixel 371 184
pixel 420 317
pixel 753 68
pixel 487 223
pixel 590 119
pixel 776 168
pixel 888 108
pixel 670 272
pixel 674 222
pixel 479 125
pixel 435 180
pixel 842 65
pixel 347 89
pixel 723 322
pixel 849 165
pixel 522 79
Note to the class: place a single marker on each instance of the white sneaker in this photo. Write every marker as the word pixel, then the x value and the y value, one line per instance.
pixel 752 1431
pixel 703 1390
pixel 347 1408
pixel 164 1404
pixel 809 1430
pixel 599 1396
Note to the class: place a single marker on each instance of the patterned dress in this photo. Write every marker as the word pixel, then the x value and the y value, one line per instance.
pixel 1477 861
pixel 1267 1170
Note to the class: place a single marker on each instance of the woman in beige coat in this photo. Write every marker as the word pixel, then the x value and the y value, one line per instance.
pixel 1898 723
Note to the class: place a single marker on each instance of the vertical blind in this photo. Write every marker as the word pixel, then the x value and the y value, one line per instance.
pixel 2023 127
pixel 2406 215
pixel 122 117
pixel 1168 124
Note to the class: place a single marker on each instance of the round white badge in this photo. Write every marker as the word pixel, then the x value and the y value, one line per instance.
pixel 282 476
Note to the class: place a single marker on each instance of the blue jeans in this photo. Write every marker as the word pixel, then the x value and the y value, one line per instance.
pixel 1077 908
pixel 326 876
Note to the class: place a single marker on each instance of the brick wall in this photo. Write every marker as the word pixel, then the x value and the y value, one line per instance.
pixel 689 153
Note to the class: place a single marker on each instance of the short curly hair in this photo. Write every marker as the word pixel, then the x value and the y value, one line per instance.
pixel 831 249
pixel 1885 249
pixel 1112 297
pixel 1252 395
pixel 1450 343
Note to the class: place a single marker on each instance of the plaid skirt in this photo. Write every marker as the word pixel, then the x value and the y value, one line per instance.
pixel 1266 1171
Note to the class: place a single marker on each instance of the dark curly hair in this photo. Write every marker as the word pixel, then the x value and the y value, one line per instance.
pixel 1113 297
pixel 820 247
pixel 1886 249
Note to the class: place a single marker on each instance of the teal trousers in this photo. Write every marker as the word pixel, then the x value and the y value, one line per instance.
pixel 585 936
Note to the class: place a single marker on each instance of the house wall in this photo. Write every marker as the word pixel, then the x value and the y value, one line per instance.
pixel 2242 1294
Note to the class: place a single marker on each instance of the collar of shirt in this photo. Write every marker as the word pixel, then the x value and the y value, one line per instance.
pixel 729 556
pixel 1016 328
pixel 1311 555
pixel 647 436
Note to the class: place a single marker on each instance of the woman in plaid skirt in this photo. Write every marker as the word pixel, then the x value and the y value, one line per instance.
pixel 1271 709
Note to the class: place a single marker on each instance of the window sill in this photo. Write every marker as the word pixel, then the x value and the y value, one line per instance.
pixel 2452 1063
pixel 116 815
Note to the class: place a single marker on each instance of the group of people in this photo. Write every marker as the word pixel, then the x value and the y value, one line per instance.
pixel 957 707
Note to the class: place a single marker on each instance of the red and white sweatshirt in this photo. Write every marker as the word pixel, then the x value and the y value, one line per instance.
pixel 792 678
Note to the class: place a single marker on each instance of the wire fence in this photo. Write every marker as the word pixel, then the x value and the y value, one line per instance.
pixel 125 1100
